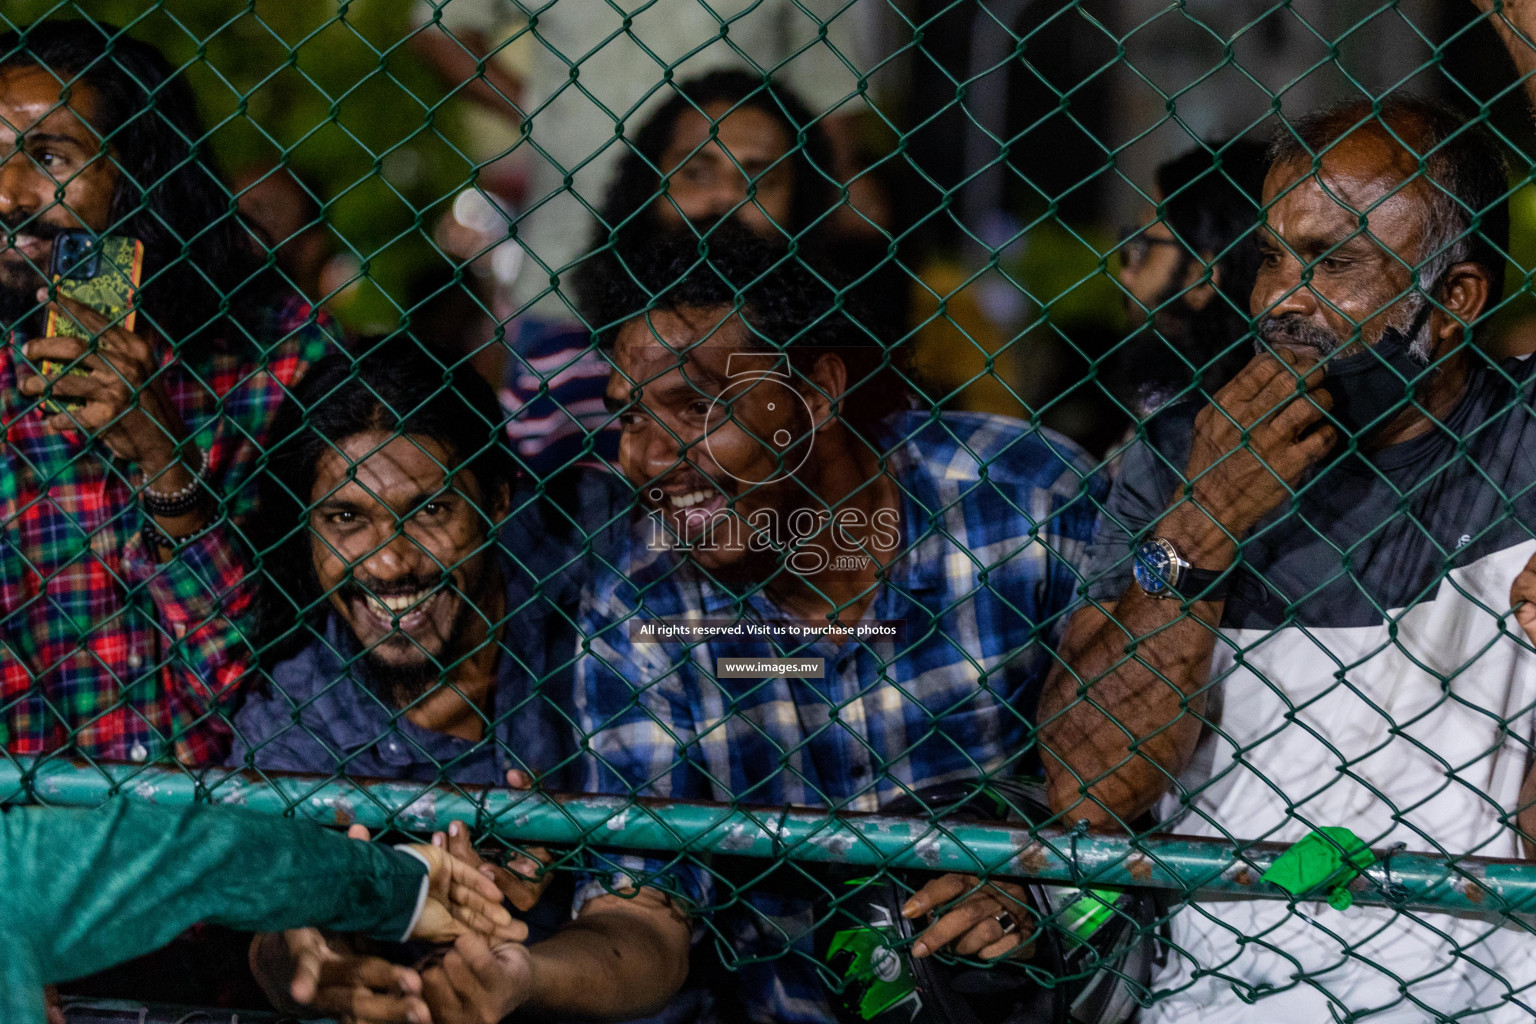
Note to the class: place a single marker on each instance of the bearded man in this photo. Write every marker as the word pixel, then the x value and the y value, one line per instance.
pixel 1299 590
pixel 124 583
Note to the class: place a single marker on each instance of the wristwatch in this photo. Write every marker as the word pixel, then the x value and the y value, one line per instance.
pixel 1161 571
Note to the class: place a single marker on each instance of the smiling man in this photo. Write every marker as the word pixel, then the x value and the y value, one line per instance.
pixel 1300 589
pixel 788 483
pixel 122 580
pixel 417 610
pixel 400 548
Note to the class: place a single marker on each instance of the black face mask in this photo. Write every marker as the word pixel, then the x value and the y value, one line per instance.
pixel 1367 387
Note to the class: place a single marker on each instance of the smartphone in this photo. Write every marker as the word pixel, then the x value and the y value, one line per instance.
pixel 102 273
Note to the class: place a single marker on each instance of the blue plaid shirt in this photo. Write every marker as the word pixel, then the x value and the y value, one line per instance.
pixel 996 515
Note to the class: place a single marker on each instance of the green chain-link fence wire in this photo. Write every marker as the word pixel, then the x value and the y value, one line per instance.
pixel 435 170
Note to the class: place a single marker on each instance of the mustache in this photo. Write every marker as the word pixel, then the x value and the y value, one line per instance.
pixel 362 585
pixel 1293 329
pixel 27 224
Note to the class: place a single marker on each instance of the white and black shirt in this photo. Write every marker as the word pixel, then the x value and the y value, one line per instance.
pixel 1368 673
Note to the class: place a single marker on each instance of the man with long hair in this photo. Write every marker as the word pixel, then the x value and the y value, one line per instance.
pixel 416 619
pixel 397 547
pixel 724 147
pixel 570 136
pixel 122 579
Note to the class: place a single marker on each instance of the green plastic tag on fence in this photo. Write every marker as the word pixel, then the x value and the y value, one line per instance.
pixel 876 976
pixel 1085 913
pixel 1325 861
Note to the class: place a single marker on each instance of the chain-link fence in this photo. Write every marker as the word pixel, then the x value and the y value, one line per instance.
pixel 725 454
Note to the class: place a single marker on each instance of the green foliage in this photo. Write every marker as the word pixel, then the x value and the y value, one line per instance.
pixel 337 95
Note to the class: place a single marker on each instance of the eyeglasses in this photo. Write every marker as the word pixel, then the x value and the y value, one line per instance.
pixel 1135 245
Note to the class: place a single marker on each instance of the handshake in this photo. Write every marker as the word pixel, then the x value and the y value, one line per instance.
pixel 481 970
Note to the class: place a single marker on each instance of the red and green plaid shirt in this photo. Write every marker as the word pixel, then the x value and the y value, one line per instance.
pixel 103 647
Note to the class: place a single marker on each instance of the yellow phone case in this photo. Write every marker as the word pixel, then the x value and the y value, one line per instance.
pixel 109 291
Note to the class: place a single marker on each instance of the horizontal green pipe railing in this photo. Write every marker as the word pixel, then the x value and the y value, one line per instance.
pixel 1197 867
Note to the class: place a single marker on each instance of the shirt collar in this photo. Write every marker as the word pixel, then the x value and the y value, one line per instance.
pixel 358 716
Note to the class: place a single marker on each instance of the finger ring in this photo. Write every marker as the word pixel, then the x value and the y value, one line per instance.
pixel 1007 921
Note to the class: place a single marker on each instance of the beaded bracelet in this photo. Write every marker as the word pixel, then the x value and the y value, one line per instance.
pixel 178 502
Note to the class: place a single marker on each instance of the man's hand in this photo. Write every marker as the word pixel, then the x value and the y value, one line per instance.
pixel 461 899
pixel 1519 15
pixel 621 957
pixel 1116 728
pixel 125 399
pixel 51 1000
pixel 458 896
pixel 306 973
pixel 521 881
pixel 1257 438
pixel 475 983
pixel 974 925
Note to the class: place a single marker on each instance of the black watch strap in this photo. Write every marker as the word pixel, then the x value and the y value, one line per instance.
pixel 1208 584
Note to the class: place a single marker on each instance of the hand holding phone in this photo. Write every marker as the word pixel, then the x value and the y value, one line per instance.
pixel 102 273
pixel 98 377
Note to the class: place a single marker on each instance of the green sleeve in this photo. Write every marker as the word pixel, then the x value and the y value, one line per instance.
pixel 85 889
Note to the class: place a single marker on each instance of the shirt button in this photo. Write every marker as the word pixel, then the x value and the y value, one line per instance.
pixel 138 753
pixel 135 660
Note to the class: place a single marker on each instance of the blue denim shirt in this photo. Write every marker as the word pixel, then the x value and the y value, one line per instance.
pixel 320 715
